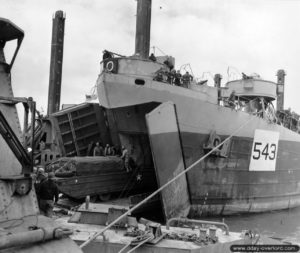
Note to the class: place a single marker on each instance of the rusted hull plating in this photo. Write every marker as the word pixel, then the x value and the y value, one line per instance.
pixel 217 185
pixel 224 186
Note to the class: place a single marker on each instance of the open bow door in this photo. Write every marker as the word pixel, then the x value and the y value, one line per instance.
pixel 168 159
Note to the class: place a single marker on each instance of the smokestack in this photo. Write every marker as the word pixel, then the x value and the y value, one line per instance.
pixel 143 23
pixel 57 47
pixel 280 89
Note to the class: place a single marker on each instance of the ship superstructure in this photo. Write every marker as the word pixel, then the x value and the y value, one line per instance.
pixel 255 170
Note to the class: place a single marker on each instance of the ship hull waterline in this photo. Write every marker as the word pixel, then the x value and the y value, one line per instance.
pixel 220 186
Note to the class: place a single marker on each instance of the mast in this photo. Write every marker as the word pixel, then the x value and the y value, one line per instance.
pixel 217 80
pixel 280 89
pixel 57 47
pixel 143 23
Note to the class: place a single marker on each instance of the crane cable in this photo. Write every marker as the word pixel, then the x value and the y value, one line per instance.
pixel 165 185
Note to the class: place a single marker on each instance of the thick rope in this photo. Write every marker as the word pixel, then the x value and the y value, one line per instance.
pixel 148 237
pixel 151 237
pixel 165 185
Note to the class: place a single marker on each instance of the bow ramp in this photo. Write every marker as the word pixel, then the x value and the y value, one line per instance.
pixel 168 159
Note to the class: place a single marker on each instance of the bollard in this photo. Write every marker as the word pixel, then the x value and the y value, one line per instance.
pixel 212 232
pixel 202 233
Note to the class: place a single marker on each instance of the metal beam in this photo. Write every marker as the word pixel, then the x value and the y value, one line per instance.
pixel 15 145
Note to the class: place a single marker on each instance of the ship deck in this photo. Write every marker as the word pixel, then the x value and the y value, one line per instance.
pixel 114 239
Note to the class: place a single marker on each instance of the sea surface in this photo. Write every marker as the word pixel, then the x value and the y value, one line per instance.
pixel 283 224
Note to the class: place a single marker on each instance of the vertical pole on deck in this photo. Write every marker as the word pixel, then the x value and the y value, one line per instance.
pixel 57 45
pixel 143 24
pixel 280 89
pixel 217 80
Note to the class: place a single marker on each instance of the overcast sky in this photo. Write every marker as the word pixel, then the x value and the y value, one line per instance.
pixel 248 36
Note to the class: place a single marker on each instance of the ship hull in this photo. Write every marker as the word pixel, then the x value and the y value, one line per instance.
pixel 225 186
pixel 217 185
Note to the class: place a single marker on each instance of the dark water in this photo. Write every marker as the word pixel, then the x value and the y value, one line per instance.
pixel 279 224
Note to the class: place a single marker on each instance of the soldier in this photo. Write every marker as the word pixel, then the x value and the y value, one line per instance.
pixel 39 179
pixel 48 194
pixel 159 76
pixel 171 76
pixel 98 150
pixel 186 79
pixel 177 79
pixel 125 157
pixel 40 175
pixel 152 57
pixel 231 100
pixel 107 150
pixel 90 149
pixel 106 55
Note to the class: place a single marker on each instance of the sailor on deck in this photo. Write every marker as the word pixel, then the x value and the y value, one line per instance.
pixel 171 76
pixel 106 55
pixel 186 79
pixel 152 57
pixel 231 99
pixel 177 79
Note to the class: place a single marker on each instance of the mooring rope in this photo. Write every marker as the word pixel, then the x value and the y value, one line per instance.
pixel 150 237
pixel 145 238
pixel 166 184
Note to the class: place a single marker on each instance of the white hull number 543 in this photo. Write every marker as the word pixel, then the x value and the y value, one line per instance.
pixel 264 150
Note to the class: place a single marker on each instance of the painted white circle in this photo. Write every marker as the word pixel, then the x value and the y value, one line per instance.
pixel 110 66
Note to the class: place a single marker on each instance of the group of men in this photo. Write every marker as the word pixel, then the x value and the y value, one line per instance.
pixel 111 151
pixel 183 81
pixel 46 190
pixel 174 77
pixel 107 151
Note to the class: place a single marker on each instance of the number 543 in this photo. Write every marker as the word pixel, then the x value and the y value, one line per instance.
pixel 266 151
